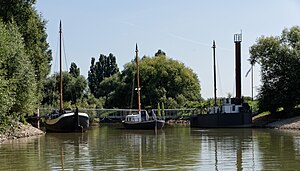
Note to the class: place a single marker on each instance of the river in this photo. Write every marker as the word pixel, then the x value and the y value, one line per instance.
pixel 109 147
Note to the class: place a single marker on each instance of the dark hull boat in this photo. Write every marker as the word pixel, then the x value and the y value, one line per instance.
pixel 229 120
pixel 67 122
pixel 234 112
pixel 150 124
pixel 229 115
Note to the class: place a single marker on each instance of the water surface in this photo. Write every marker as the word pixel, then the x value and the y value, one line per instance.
pixel 109 147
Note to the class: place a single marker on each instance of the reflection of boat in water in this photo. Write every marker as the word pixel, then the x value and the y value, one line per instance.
pixel 237 148
pixel 142 144
pixel 65 121
pixel 141 120
pixel 67 150
pixel 234 112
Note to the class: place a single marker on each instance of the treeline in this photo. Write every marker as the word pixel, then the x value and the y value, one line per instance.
pixel 279 58
pixel 163 80
pixel 24 59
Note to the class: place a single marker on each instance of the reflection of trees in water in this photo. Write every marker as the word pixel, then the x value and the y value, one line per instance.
pixel 24 152
pixel 278 149
pixel 109 148
pixel 121 148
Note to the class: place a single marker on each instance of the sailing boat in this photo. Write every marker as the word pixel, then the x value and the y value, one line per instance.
pixel 62 120
pixel 233 112
pixel 141 120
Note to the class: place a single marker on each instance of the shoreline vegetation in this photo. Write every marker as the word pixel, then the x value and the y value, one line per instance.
pixel 21 130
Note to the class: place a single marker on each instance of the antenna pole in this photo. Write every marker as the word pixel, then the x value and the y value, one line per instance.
pixel 215 81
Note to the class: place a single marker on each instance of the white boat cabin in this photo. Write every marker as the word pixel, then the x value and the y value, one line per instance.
pixel 139 117
pixel 230 105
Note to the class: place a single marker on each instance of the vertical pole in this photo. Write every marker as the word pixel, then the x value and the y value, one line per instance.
pixel 38 118
pixel 138 78
pixel 215 80
pixel 252 82
pixel 237 41
pixel 60 70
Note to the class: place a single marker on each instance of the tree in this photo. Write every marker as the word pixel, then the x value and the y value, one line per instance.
pixel 104 68
pixel 33 31
pixel 18 86
pixel 163 80
pixel 109 87
pixel 73 89
pixel 74 70
pixel 279 59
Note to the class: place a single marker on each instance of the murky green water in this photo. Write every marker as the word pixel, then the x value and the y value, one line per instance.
pixel 173 148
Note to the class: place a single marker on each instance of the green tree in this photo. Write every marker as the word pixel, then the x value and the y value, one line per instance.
pixel 33 32
pixel 108 88
pixel 279 59
pixel 73 89
pixel 104 68
pixel 18 85
pixel 74 70
pixel 162 80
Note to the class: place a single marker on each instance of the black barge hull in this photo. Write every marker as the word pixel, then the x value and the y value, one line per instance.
pixel 68 124
pixel 221 120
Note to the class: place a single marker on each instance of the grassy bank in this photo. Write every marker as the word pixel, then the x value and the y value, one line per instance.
pixel 281 120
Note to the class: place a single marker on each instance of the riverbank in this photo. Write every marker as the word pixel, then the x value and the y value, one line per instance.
pixel 268 121
pixel 275 122
pixel 20 131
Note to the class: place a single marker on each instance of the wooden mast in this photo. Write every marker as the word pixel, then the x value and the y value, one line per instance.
pixel 138 78
pixel 60 69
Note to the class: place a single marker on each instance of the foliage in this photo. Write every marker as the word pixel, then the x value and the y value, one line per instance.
pixel 33 32
pixel 279 59
pixel 162 79
pixel 73 89
pixel 158 109
pixel 74 70
pixel 17 85
pixel 89 101
pixel 104 68
pixel 109 87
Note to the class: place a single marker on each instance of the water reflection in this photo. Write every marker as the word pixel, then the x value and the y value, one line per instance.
pixel 226 149
pixel 174 148
pixel 65 150
pixel 278 149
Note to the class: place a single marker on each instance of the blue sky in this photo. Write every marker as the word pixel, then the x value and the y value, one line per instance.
pixel 184 29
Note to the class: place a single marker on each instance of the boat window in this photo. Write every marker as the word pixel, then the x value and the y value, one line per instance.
pixel 233 108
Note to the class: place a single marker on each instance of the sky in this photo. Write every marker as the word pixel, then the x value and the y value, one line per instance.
pixel 183 29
